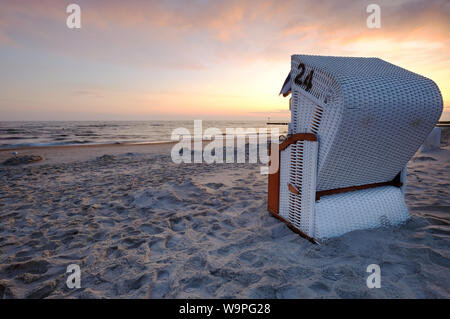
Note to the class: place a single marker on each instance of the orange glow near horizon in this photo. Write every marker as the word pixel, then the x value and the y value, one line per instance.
pixel 209 60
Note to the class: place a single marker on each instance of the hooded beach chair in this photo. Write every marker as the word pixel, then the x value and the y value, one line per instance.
pixel 355 124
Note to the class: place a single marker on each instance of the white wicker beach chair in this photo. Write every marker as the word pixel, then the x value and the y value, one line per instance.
pixel 355 123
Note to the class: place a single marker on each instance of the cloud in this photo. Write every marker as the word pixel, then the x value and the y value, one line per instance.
pixel 223 47
pixel 195 34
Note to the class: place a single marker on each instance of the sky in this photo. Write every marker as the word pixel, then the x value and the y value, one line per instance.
pixel 152 60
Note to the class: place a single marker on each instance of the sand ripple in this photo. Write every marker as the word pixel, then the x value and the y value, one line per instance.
pixel 141 226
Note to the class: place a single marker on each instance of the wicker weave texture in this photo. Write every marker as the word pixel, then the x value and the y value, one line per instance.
pixel 373 116
pixel 302 175
pixel 370 117
pixel 285 167
pixel 370 208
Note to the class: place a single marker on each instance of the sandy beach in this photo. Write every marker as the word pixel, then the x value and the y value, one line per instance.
pixel 140 226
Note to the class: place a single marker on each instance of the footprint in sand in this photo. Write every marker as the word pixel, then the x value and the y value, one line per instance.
pixel 32 267
pixel 319 288
pixel 161 285
pixel 151 229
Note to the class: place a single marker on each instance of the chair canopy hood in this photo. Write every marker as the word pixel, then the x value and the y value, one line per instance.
pixel 370 116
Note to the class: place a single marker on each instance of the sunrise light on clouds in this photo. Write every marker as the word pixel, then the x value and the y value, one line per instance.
pixel 196 59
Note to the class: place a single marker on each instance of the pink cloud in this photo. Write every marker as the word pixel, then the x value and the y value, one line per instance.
pixel 239 30
pixel 209 38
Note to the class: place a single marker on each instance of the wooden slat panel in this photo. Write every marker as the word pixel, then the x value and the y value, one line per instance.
pixel 273 191
pixel 297 137
pixel 356 188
